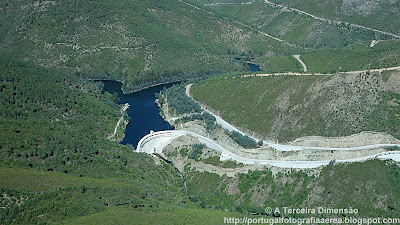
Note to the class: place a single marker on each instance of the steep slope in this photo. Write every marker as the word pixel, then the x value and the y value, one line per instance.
pixel 294 27
pixel 357 186
pixel 289 107
pixel 137 42
pixel 56 162
pixel 378 14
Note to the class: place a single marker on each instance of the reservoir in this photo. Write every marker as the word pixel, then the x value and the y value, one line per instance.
pixel 143 111
pixel 254 67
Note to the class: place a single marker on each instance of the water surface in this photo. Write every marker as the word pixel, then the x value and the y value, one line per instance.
pixel 143 111
pixel 254 67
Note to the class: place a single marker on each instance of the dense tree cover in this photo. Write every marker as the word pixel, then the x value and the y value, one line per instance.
pixel 56 124
pixel 243 140
pixel 71 170
pixel 146 79
pixel 196 151
pixel 208 119
pixel 47 120
pixel 35 197
pixel 177 100
pixel 140 43
pixel 341 185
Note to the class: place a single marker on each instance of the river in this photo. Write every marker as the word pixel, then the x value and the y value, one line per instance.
pixel 143 111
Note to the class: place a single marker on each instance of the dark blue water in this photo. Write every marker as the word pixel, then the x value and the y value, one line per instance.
pixel 143 111
pixel 254 67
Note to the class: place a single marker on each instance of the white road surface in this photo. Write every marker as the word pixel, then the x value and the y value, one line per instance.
pixel 281 147
pixel 298 58
pixel 124 108
pixel 156 141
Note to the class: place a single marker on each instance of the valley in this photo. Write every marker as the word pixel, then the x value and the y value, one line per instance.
pixel 198 111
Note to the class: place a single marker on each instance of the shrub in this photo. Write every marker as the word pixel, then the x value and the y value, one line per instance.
pixel 196 151
pixel 242 140
pixel 177 99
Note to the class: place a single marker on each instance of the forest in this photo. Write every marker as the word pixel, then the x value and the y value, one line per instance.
pixel 178 101
pixel 57 165
pixel 56 162
pixel 243 140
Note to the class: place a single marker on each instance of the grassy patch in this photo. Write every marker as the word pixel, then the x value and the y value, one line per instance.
pixel 33 180
pixel 168 216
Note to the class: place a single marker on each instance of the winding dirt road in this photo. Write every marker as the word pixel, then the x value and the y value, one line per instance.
pixel 240 23
pixel 124 108
pixel 331 21
pixel 321 74
pixel 298 58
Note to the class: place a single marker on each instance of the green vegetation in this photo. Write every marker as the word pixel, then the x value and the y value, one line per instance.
pixel 208 119
pixel 341 47
pixel 288 107
pixel 47 124
pixel 279 64
pixel 170 216
pixel 380 14
pixel 177 100
pixel 69 172
pixel 196 151
pixel 296 28
pixel 51 196
pixel 243 140
pixel 58 167
pixel 249 193
pixel 253 191
pixel 231 164
pixel 35 180
pixel 392 148
pixel 137 42
pixel 359 178
pixel 357 56
pixel 190 151
pixel 214 160
pixel 354 57
pixel 145 42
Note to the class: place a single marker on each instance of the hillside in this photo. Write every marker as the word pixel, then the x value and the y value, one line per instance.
pixel 55 160
pixel 289 107
pixel 339 186
pixel 378 14
pixel 145 42
pixel 293 27
pixel 328 45
pixel 59 164
pixel 354 57
pixel 137 42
